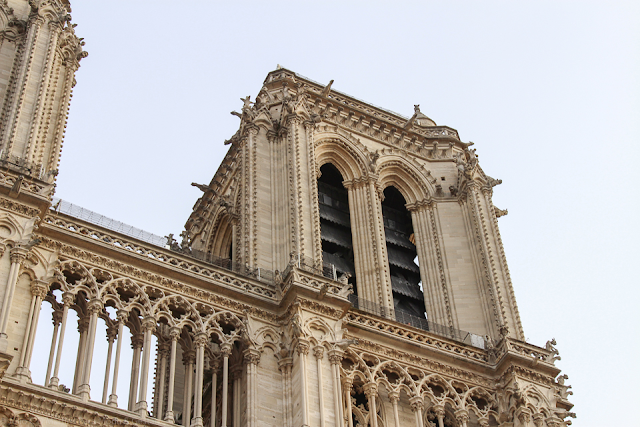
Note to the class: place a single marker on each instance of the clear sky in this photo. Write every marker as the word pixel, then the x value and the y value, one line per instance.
pixel 549 92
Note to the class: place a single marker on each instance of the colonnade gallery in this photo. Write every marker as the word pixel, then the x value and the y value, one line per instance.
pixel 343 267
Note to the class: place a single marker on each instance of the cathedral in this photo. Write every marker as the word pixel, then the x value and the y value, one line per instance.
pixel 342 268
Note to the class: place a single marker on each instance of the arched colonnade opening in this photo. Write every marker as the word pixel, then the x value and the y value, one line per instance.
pixel 140 350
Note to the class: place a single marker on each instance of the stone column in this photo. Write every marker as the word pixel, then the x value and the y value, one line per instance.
pixel 188 358
pixel 39 290
pixel 439 411
pixel 371 391
pixel 57 320
pixel 215 365
pixel 200 342
pixel 394 397
pixel 148 327
pixel 163 353
pixel 236 376
pixel 347 384
pixel 251 360
pixel 417 406
pixel 18 255
pixel 302 349
pixel 433 274
pixel 112 333
pixel 225 350
pixel 83 328
pixel 137 341
pixel 318 352
pixel 284 365
pixel 67 301
pixel 335 357
pixel 122 315
pixel 174 334
pixel 95 307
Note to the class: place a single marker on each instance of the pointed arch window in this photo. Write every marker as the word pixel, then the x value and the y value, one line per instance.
pixel 408 298
pixel 335 224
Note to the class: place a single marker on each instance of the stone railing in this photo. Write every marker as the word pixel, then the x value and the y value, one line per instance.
pixel 427 339
pixel 164 256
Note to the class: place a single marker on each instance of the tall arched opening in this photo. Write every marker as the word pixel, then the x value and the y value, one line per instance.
pixel 335 225
pixel 408 299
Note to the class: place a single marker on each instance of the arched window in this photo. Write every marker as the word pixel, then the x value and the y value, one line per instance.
pixel 408 299
pixel 335 225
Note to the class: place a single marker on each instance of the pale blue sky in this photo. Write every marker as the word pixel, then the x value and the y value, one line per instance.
pixel 548 91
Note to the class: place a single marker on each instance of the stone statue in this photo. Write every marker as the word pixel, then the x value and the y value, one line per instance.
pixel 553 351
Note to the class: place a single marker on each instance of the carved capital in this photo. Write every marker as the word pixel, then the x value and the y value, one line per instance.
pixel 524 415
pixel 225 349
pixel 174 333
pixel 394 397
pixel 285 363
pixel 68 298
pixel 112 333
pixel 188 357
pixel 18 254
pixel 336 356
pixel 122 316
pixel 251 357
pixel 149 324
pixel 417 403
pixel 439 411
pixel 201 339
pixel 137 341
pixel 538 420
pixel 462 416
pixel 95 306
pixel 56 317
pixel 39 288
pixel 371 390
pixel 302 347
pixel 318 351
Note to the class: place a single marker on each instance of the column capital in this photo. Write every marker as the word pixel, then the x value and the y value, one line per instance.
pixel 394 396
pixel 438 410
pixel 420 205
pixel 251 356
pixel 225 349
pixel 417 403
pixel 201 339
pixel 18 254
pixel 112 333
pixel 174 333
pixel 336 356
pixel 462 416
pixel 318 351
pixel 538 420
pixel 188 357
pixel 371 390
pixel 149 324
pixel 524 415
pixel 302 347
pixel 68 298
pixel 95 306
pixel 284 363
pixel 347 382
pixel 56 317
pixel 39 288
pixel 122 316
pixel 137 340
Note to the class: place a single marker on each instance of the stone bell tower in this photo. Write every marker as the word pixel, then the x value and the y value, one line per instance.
pixel 408 214
pixel 39 55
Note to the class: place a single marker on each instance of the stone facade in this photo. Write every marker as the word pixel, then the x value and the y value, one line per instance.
pixel 289 300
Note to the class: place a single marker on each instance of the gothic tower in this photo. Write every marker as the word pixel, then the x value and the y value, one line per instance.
pixel 343 267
